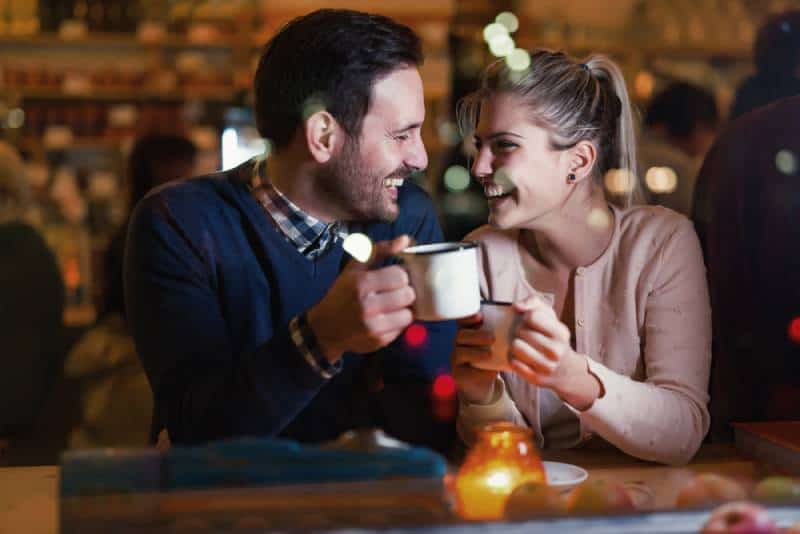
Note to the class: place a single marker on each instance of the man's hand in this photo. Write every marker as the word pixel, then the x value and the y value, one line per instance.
pixel 365 309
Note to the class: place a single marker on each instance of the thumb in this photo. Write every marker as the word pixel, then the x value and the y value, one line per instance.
pixel 385 249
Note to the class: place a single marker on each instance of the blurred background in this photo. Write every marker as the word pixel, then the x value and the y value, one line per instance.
pixel 102 99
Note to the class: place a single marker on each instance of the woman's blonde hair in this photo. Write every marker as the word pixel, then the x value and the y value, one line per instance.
pixel 573 100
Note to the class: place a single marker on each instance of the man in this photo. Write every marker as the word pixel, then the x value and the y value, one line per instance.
pixel 749 218
pixel 247 315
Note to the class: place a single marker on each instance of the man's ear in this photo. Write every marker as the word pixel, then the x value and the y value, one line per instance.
pixel 322 134
pixel 582 159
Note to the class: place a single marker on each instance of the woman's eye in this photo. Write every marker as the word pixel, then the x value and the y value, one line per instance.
pixel 505 145
pixel 402 137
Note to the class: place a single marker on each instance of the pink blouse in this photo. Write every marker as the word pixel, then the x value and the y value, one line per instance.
pixel 642 316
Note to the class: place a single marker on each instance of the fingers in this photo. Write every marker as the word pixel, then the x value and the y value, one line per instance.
pixel 533 302
pixel 545 321
pixel 384 249
pixel 388 301
pixel 474 337
pixel 473 321
pixel 385 279
pixel 532 357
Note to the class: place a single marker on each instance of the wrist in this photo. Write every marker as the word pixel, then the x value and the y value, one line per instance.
pixel 581 388
pixel 325 342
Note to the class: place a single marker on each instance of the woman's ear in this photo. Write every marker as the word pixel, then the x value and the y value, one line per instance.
pixel 582 159
pixel 322 133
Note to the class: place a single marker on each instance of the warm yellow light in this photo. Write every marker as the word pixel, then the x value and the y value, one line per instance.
pixel 661 180
pixel 644 84
pixel 503 458
pixel 518 60
pixel 620 181
pixel 493 31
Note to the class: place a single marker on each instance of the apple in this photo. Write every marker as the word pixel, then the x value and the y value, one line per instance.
pixel 707 489
pixel 740 517
pixel 777 489
pixel 534 499
pixel 599 497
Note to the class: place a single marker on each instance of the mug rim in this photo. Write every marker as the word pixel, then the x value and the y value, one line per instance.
pixel 454 246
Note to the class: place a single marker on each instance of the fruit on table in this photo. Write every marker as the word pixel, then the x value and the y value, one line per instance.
pixel 534 499
pixel 777 488
pixel 707 489
pixel 599 497
pixel 740 517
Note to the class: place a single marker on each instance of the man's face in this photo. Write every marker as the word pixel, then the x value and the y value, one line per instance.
pixel 363 178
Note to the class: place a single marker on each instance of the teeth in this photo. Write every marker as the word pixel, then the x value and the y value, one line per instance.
pixel 393 182
pixel 494 190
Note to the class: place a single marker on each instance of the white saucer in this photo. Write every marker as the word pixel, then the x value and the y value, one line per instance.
pixel 564 476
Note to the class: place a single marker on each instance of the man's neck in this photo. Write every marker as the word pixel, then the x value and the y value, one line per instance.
pixel 295 178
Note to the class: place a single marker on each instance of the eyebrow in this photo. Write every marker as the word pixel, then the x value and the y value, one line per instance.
pixel 499 134
pixel 407 128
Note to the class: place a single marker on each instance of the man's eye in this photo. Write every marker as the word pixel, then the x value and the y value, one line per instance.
pixel 477 144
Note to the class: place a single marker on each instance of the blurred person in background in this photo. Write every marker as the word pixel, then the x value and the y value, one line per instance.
pixel 753 253
pixel 679 127
pixel 31 308
pixel 116 401
pixel 776 52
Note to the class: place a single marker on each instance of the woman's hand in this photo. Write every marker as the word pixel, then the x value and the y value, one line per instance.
pixel 472 344
pixel 542 354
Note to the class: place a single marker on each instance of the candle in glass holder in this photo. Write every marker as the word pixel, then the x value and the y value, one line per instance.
pixel 502 458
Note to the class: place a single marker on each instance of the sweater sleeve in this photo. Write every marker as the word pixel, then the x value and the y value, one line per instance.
pixel 664 418
pixel 203 388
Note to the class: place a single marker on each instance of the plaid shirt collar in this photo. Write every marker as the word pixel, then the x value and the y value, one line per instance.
pixel 310 236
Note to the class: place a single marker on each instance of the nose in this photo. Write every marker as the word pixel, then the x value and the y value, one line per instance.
pixel 482 165
pixel 417 156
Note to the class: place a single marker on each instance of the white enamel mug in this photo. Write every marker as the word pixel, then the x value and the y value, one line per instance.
pixel 445 279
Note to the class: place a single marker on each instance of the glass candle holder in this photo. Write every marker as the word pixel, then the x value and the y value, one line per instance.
pixel 502 458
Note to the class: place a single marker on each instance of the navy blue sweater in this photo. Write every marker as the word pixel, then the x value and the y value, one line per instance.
pixel 210 288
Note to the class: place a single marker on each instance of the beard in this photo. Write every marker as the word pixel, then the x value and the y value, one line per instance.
pixel 348 183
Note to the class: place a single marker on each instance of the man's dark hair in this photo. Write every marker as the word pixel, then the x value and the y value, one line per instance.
pixel 680 108
pixel 332 58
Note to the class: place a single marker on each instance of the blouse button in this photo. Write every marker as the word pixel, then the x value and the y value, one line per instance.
pixel 580 322
pixel 579 271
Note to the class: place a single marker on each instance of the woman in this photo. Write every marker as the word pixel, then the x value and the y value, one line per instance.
pixel 624 351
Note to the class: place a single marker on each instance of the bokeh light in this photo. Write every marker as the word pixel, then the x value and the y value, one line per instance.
pixel 15 118
pixel 794 330
pixel 359 246
pixel 518 60
pixel 444 387
pixel 456 178
pixel 619 181
pixel 493 31
pixel 786 162
pixel 448 133
pixel 508 20
pixel 599 218
pixel 661 180
pixel 644 84
pixel 502 45
pixel 416 335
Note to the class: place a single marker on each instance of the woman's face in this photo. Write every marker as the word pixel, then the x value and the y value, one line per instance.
pixel 523 178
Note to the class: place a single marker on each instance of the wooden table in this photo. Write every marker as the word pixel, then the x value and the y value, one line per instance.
pixel 29 503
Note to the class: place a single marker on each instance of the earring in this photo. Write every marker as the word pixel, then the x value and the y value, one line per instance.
pixel 570 178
